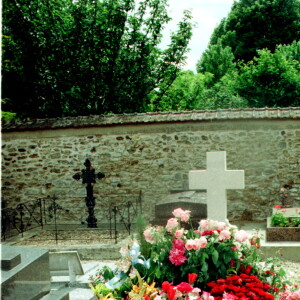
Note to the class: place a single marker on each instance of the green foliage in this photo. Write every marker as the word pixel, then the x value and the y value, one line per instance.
pixel 278 219
pixel 183 94
pixel 222 95
pixel 254 57
pixel 217 60
pixel 260 24
pixel 140 226
pixel 87 57
pixel 8 116
pixel 271 79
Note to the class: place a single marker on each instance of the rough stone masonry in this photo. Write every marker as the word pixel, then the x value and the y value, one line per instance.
pixel 152 153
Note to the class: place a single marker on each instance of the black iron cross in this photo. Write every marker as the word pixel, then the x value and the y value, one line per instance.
pixel 88 177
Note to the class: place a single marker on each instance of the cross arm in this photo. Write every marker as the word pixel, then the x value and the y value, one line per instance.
pixel 100 175
pixel 76 176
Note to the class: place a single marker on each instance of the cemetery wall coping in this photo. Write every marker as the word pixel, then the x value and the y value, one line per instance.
pixel 291 113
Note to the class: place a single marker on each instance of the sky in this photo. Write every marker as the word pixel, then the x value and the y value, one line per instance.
pixel 207 14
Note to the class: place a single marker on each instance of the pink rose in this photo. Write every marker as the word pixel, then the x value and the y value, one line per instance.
pixel 213 223
pixel 229 297
pixel 203 224
pixel 207 296
pixel 177 257
pixel 196 290
pixel 241 236
pixel 172 223
pixel 202 242
pixel 148 236
pixel 190 244
pixel 221 226
pixel 198 244
pixel 179 233
pixel 177 212
pixel 224 235
pixel 184 215
pixel 178 243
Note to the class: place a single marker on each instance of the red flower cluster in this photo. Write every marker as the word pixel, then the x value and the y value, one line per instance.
pixel 170 289
pixel 243 287
pixel 246 270
pixel 177 252
pixel 210 232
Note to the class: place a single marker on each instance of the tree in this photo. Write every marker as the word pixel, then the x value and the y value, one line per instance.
pixel 183 94
pixel 271 79
pixel 87 57
pixel 253 25
pixel 217 60
pixel 222 95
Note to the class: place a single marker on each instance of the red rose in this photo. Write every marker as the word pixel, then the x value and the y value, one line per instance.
pixel 192 277
pixel 171 293
pixel 248 269
pixel 277 206
pixel 207 232
pixel 184 287
pixel 221 281
pixel 166 286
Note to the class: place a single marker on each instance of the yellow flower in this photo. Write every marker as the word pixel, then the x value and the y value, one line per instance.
pixel 150 289
pixel 136 289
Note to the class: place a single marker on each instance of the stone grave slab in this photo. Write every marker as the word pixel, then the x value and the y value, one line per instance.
pixel 216 180
pixel 195 201
pixel 26 273
pixel 65 263
pixel 10 260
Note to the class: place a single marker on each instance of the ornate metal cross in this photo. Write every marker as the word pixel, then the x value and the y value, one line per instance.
pixel 88 177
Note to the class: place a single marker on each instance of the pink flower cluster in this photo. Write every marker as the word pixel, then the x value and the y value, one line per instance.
pixel 241 236
pixel 179 214
pixel 151 233
pixel 196 244
pixel 221 228
pixel 211 224
pixel 289 295
pixel 183 215
pixel 177 252
pixel 148 234
pixel 172 224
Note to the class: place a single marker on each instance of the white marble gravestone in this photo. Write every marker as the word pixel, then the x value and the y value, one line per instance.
pixel 216 180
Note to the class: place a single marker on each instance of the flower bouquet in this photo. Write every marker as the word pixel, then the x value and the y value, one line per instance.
pixel 214 261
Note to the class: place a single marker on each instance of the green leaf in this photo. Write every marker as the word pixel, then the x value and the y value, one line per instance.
pixel 227 257
pixel 204 268
pixel 215 256
pixel 158 272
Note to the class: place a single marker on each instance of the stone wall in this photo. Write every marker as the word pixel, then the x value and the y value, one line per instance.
pixel 152 153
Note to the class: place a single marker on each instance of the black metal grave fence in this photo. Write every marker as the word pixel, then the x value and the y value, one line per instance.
pixel 46 214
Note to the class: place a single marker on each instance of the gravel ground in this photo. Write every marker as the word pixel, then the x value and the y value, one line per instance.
pixel 70 237
pixel 292 270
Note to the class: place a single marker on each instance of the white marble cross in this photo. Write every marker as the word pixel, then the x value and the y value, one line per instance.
pixel 216 180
